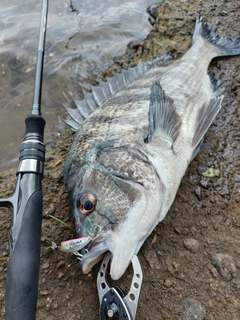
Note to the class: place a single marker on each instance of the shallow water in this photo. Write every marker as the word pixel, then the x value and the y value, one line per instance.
pixel 79 45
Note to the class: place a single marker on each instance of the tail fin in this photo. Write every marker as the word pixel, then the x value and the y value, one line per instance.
pixel 226 46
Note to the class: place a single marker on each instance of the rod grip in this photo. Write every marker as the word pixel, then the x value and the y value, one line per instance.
pixel 24 264
pixel 35 125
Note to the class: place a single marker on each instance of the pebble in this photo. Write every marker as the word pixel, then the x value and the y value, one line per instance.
pixel 238 264
pixel 213 272
pixel 48 306
pixel 2 296
pixel 193 310
pixel 45 266
pixel 5 246
pixel 62 284
pixel 167 283
pixel 200 170
pixel 210 317
pixel 180 276
pixel 191 244
pixel 152 9
pixel 204 183
pixel 58 177
pixel 60 264
pixel 198 193
pixel 43 292
pixel 152 259
pixel 225 265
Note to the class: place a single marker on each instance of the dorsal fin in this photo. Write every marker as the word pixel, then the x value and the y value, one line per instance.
pixel 70 123
pixel 205 117
pixel 83 108
pixel 163 118
pixel 89 97
pixel 107 89
pixel 74 114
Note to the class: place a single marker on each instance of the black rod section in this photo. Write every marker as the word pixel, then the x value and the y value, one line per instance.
pixel 37 93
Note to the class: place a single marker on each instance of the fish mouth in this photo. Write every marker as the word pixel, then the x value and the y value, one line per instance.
pixel 95 250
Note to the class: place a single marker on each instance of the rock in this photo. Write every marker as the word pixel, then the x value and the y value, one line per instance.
pixel 193 310
pixel 5 246
pixel 210 317
pixel 180 275
pixel 62 284
pixel 151 255
pixel 45 266
pixel 198 193
pixel 167 283
pixel 152 9
pixel 238 264
pixel 191 244
pixel 200 170
pixel 204 183
pixel 225 265
pixel 60 264
pixel 60 275
pixel 152 259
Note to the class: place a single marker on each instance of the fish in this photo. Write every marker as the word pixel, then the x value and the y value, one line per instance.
pixel 135 135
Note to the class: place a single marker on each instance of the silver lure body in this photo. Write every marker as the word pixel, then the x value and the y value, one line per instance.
pixel 133 150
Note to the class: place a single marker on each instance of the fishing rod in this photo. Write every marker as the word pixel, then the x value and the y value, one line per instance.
pixel 26 204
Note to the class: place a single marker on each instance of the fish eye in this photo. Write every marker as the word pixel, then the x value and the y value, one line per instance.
pixel 86 203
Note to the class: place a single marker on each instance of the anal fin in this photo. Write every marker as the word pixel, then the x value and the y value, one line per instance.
pixel 196 150
pixel 163 117
pixel 205 117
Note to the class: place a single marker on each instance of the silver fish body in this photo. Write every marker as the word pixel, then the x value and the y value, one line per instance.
pixel 129 155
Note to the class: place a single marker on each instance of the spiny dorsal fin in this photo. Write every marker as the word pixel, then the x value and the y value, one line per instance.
pixel 107 89
pixel 162 115
pixel 83 108
pixel 89 97
pixel 205 117
pixel 75 114
pixel 70 123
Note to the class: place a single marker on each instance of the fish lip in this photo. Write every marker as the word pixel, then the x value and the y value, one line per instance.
pixel 96 248
pixel 95 244
pixel 93 256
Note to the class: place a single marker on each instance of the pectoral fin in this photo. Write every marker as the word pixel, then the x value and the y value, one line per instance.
pixel 164 121
pixel 205 117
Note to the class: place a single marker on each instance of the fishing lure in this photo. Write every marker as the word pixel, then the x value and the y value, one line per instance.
pixel 73 245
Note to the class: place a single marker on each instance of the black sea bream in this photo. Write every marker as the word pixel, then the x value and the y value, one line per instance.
pixel 135 137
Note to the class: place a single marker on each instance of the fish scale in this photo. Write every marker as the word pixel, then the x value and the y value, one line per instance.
pixel 130 153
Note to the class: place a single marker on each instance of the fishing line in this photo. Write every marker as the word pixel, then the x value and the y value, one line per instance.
pixel 2 38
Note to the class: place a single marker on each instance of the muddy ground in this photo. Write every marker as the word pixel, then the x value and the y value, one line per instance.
pixel 191 261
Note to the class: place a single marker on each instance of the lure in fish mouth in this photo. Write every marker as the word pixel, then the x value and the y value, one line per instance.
pixel 135 136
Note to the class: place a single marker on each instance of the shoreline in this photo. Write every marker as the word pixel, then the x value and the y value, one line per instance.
pixel 179 258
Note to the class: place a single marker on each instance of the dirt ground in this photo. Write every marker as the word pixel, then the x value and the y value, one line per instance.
pixel 191 261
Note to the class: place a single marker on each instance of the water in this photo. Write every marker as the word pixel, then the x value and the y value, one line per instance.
pixel 79 45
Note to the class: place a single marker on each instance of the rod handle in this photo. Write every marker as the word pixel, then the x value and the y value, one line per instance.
pixel 24 264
